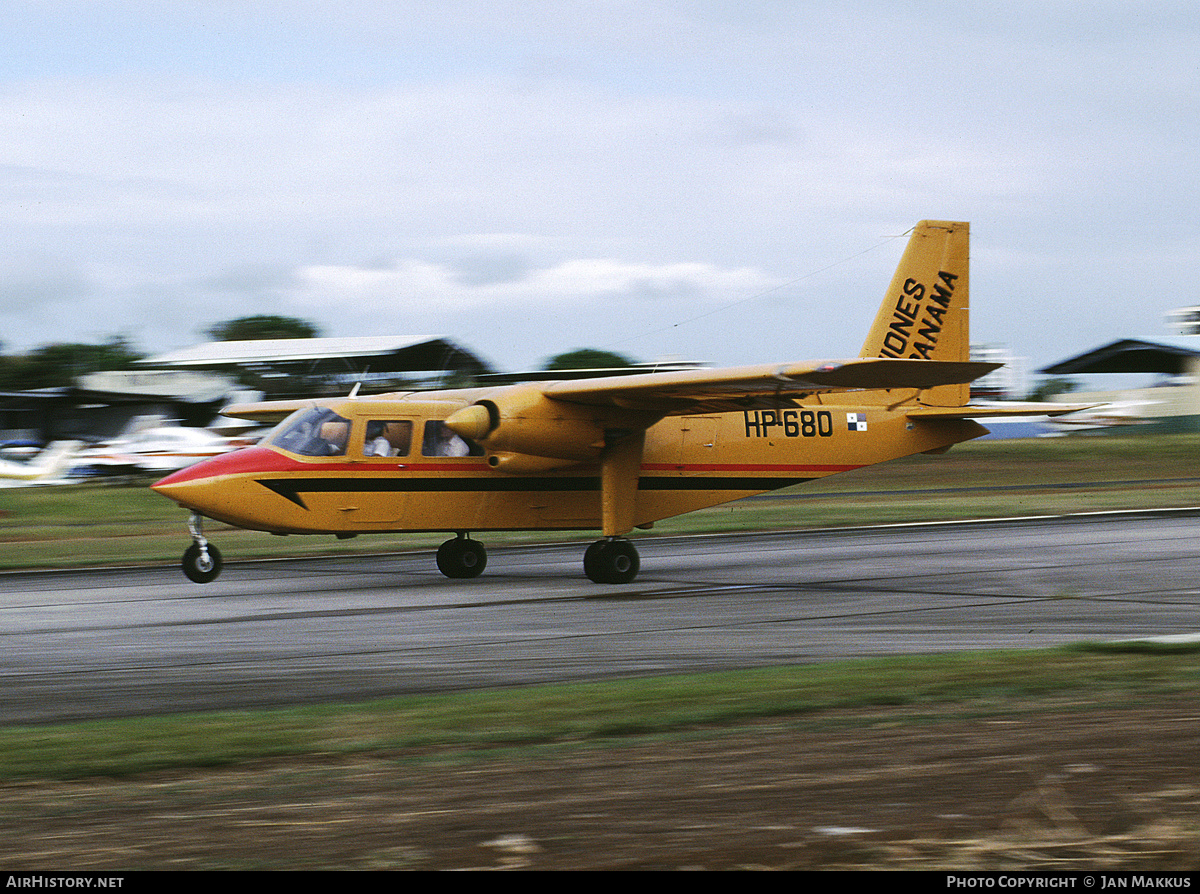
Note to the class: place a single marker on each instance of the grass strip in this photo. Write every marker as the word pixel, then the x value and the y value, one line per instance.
pixel 538 715
pixel 88 525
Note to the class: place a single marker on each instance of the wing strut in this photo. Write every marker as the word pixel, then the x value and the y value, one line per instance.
pixel 620 465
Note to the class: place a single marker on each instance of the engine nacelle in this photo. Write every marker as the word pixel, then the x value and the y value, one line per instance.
pixel 524 464
pixel 522 420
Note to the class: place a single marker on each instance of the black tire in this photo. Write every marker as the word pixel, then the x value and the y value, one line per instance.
pixel 591 562
pixel 611 562
pixel 201 568
pixel 461 558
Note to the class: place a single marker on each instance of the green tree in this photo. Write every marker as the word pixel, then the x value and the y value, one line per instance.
pixel 1050 387
pixel 56 366
pixel 12 373
pixel 587 358
pixel 259 328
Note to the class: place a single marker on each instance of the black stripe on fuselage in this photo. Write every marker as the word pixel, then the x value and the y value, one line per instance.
pixel 292 488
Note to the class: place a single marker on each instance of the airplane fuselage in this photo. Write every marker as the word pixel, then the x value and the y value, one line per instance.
pixel 688 463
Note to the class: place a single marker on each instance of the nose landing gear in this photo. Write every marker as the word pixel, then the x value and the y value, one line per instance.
pixel 201 560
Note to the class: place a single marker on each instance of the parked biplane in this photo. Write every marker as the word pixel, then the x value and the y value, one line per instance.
pixel 613 453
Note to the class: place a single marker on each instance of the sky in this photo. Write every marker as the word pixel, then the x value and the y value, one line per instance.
pixel 715 181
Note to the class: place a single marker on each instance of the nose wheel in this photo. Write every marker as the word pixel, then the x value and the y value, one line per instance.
pixel 202 564
pixel 201 560
pixel 612 561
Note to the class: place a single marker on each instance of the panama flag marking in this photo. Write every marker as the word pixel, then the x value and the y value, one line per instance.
pixel 856 421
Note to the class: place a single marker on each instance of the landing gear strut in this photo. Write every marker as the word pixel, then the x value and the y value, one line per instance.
pixel 611 561
pixel 201 560
pixel 461 557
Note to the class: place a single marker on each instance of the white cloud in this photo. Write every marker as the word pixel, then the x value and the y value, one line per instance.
pixel 550 173
pixel 439 287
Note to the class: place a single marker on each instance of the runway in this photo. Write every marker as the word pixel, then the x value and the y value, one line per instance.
pixel 127 642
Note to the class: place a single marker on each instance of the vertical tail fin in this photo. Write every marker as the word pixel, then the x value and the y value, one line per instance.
pixel 924 313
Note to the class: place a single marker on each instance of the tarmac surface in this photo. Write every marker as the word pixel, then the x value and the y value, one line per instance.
pixel 1097 785
pixel 105 643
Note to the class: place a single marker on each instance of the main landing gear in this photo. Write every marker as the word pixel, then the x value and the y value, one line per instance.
pixel 461 557
pixel 611 561
pixel 201 560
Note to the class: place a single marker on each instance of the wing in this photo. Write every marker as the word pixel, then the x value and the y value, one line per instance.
pixel 267 412
pixel 759 387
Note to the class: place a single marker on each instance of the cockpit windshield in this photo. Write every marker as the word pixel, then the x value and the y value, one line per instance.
pixel 316 431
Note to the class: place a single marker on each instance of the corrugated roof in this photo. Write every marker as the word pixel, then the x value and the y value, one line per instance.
pixel 1133 355
pixel 328 356
pixel 284 350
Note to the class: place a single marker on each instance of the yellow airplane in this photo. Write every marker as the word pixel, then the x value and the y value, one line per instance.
pixel 614 453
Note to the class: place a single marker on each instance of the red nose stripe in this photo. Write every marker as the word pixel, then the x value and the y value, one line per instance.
pixel 249 459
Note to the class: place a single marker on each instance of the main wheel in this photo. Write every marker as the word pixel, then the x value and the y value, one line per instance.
pixel 591 561
pixel 611 562
pixel 201 566
pixel 461 558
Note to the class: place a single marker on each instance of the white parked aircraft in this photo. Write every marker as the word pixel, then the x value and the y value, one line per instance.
pixel 50 466
pixel 161 449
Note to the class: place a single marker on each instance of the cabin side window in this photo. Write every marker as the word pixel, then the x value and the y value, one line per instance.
pixel 441 441
pixel 387 437
pixel 316 431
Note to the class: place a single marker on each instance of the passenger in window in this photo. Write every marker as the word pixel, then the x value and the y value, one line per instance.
pixel 441 441
pixel 387 438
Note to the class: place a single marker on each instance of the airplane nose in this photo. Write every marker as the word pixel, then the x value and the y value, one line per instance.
pixel 211 487
pixel 191 488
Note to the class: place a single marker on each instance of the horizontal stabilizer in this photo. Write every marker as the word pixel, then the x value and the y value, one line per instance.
pixel 985 411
